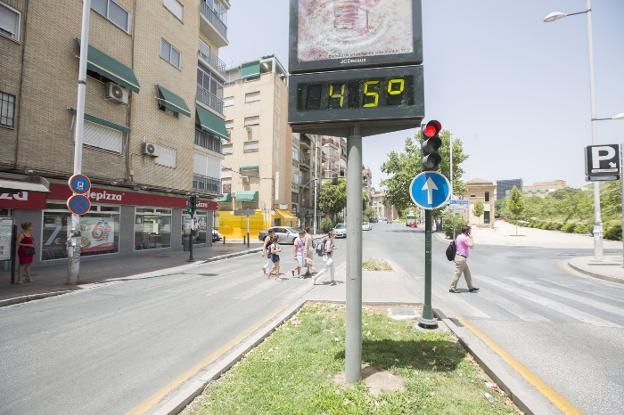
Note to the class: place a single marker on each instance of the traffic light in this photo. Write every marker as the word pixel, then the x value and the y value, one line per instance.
pixel 191 204
pixel 431 142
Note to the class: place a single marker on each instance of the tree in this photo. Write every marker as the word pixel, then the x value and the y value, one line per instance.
pixel 478 208
pixel 333 197
pixel 368 214
pixel 403 166
pixel 515 205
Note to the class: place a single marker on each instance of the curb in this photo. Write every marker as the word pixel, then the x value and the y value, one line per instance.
pixel 592 274
pixel 145 275
pixel 526 398
pixel 179 399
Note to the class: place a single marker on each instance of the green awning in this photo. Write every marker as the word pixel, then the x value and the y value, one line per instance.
pixel 250 196
pixel 250 70
pixel 110 68
pixel 227 197
pixel 210 123
pixel 248 167
pixel 102 121
pixel 171 101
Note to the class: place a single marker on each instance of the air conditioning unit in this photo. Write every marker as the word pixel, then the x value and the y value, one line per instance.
pixel 149 149
pixel 116 93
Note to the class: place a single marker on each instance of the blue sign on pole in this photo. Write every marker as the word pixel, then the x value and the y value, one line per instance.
pixel 79 183
pixel 79 204
pixel 430 190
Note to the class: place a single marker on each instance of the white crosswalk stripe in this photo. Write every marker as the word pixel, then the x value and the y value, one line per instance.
pixel 518 310
pixel 551 304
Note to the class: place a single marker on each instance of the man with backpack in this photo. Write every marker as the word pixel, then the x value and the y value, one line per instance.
pixel 326 249
pixel 463 243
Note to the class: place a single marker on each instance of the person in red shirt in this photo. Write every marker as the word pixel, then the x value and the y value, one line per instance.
pixel 26 253
pixel 463 243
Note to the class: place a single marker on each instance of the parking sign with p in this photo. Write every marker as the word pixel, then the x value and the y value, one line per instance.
pixel 602 162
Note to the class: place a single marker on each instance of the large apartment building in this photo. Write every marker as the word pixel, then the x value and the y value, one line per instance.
pixel 257 171
pixel 153 126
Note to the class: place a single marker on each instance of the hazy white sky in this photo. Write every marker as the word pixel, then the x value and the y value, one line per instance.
pixel 515 90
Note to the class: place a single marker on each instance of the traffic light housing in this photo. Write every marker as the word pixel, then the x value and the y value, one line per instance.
pixel 430 144
pixel 191 204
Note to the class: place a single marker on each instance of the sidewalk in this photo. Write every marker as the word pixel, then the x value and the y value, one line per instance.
pixel 504 234
pixel 610 268
pixel 51 278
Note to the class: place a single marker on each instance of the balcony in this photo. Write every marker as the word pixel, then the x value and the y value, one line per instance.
pixel 206 184
pixel 211 59
pixel 304 162
pixel 212 25
pixel 208 141
pixel 210 100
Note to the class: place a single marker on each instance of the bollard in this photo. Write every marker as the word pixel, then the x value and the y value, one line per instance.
pixel 223 239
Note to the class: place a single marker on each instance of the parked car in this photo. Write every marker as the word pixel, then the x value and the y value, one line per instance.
pixel 285 234
pixel 340 230
pixel 216 236
pixel 366 226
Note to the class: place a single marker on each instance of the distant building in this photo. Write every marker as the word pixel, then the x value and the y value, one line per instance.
pixel 541 189
pixel 503 187
pixel 483 190
pixel 383 209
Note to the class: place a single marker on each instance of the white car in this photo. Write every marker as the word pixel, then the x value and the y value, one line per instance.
pixel 340 230
pixel 366 226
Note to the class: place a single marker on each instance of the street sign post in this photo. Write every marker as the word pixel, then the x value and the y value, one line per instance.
pixel 79 204
pixel 458 205
pixel 430 190
pixel 602 162
pixel 245 212
pixel 79 184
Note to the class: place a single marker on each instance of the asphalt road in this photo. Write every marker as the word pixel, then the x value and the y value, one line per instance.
pixel 567 329
pixel 107 349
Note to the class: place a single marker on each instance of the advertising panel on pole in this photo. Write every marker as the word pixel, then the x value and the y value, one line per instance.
pixel 6 235
pixel 343 34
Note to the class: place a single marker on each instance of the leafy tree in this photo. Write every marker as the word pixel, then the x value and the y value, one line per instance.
pixel 478 208
pixel 368 214
pixel 403 166
pixel 326 225
pixel 333 197
pixel 515 204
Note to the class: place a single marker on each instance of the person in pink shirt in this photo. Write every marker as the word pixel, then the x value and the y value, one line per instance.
pixel 299 255
pixel 463 243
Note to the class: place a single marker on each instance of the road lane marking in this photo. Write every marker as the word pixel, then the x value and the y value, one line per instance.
pixel 572 312
pixel 553 396
pixel 257 289
pixel 155 398
pixel 517 310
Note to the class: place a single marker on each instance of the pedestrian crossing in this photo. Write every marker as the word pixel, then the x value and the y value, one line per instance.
pixel 540 300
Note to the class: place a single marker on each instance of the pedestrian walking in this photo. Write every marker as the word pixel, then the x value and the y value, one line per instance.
pixel 298 253
pixel 26 253
pixel 274 250
pixel 268 240
pixel 463 243
pixel 328 257
pixel 309 253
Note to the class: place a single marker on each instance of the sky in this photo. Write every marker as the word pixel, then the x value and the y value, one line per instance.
pixel 514 89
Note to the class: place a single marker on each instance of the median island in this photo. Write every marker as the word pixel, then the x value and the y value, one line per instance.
pixel 298 370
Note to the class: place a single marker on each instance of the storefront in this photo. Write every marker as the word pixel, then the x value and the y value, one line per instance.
pixel 120 222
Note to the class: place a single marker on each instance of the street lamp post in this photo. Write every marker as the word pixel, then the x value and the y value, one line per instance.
pixel 551 17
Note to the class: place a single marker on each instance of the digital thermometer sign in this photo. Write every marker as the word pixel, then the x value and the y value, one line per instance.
pixel 366 96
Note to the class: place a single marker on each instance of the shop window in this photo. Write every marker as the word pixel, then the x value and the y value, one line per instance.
pixel 201 227
pixel 99 230
pixel 152 228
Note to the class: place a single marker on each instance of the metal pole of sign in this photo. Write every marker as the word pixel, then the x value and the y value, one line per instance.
pixel 247 230
pixel 191 238
pixel 353 347
pixel 427 320
pixel 622 200
pixel 451 179
pixel 73 231
pixel 315 184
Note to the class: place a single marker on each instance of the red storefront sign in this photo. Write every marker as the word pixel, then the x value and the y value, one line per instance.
pixel 23 200
pixel 123 197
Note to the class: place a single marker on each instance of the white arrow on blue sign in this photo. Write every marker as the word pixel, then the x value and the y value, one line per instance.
pixel 430 190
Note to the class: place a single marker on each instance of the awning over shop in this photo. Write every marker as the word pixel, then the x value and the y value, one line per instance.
pixel 285 214
pixel 172 101
pixel 102 121
pixel 110 68
pixel 210 123
pixel 24 185
pixel 250 69
pixel 250 196
pixel 227 197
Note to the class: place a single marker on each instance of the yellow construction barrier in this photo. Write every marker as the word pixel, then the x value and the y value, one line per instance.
pixel 235 226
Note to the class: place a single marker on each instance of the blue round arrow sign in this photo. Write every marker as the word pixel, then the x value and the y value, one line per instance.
pixel 430 190
pixel 79 204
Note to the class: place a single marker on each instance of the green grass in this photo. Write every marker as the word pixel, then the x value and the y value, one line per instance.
pixel 291 372
pixel 376 265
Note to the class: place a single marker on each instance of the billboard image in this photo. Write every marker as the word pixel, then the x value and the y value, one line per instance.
pixel 351 32
pixel 98 234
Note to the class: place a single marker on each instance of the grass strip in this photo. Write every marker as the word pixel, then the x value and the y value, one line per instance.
pixel 291 372
pixel 376 265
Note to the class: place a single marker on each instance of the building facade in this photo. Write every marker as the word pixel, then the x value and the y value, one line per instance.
pixel 541 189
pixel 383 209
pixel 258 170
pixel 153 126
pixel 483 191
pixel 503 187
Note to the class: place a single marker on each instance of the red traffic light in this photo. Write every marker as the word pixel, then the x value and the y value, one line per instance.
pixel 432 128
